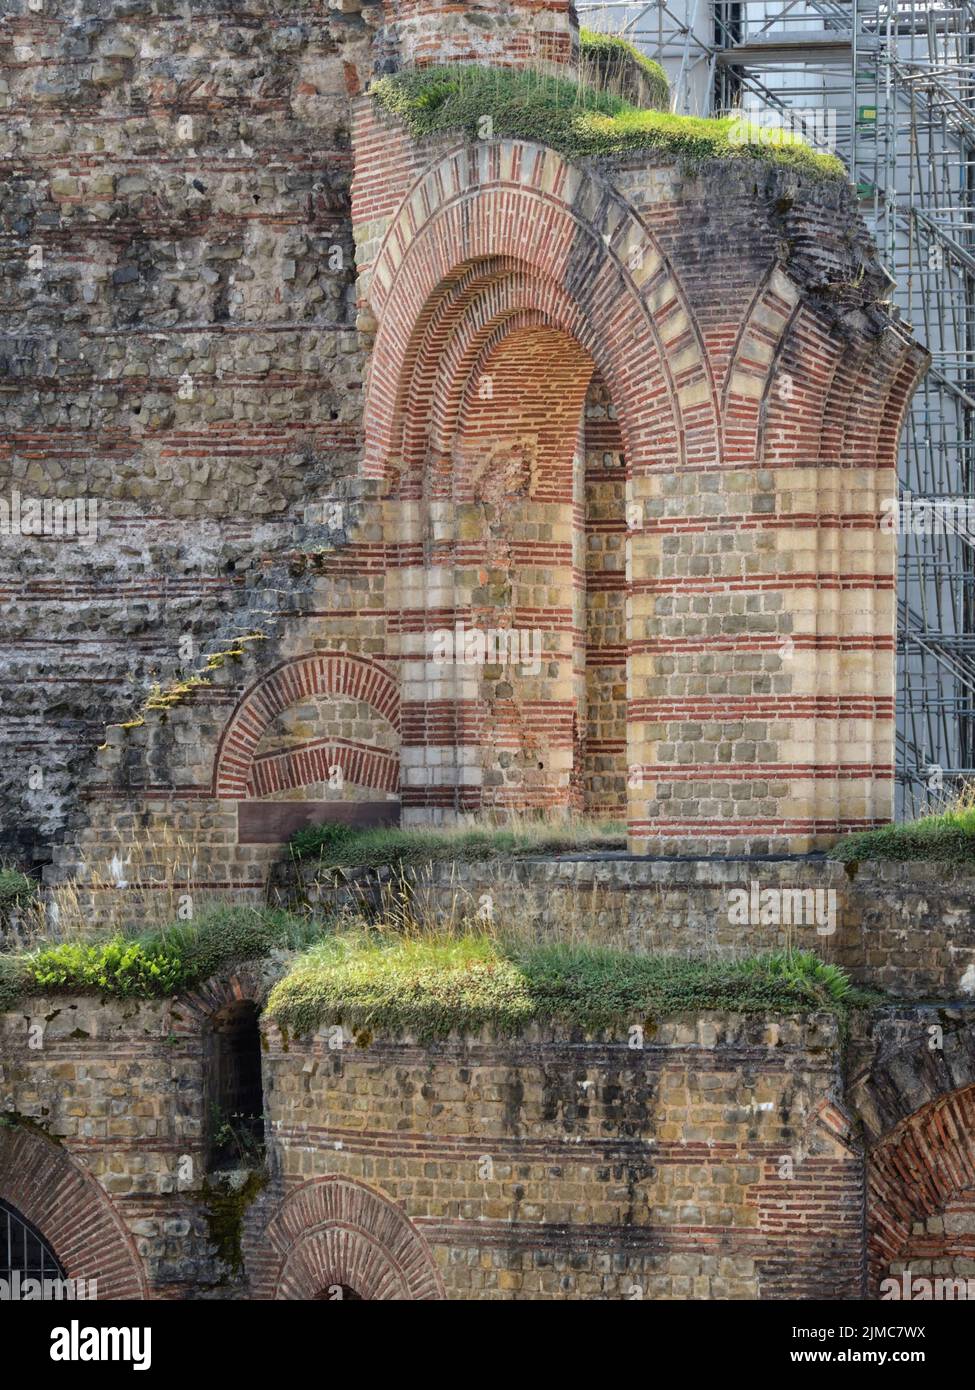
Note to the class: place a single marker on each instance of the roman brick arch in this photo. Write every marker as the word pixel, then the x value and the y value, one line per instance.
pixel 584 257
pixel 334 1232
pixel 750 376
pixel 196 1008
pixel 741 591
pixel 238 774
pixel 921 1190
pixel 71 1211
pixel 507 282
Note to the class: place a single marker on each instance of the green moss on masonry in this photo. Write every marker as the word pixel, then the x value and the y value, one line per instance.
pixel 225 1208
pixel 155 965
pixel 578 120
pixel 162 699
pixel 346 847
pixel 948 838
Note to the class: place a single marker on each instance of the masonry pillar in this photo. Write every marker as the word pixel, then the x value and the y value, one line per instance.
pixel 505 33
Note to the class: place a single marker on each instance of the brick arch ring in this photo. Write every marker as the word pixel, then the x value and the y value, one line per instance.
pixel 915 1171
pixel 587 244
pixel 330 673
pixel 336 1231
pixel 71 1211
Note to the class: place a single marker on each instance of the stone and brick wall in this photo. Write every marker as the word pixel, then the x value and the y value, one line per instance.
pixel 103 1124
pixel 177 295
pixel 907 929
pixel 708 1156
pixel 703 1165
pixel 640 418
pixel 710 1162
pixel 760 588
pixel 505 33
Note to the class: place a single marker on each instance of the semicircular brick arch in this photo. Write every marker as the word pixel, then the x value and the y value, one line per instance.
pixel 587 249
pixel 72 1212
pixel 924 1166
pixel 197 1007
pixel 330 673
pixel 336 1231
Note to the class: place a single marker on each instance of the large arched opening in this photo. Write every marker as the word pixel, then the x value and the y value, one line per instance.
pixel 521 306
pixel 507 436
pixel 523 503
pixel 71 1223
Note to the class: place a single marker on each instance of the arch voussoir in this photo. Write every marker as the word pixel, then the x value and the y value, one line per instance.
pixel 72 1212
pixel 335 1231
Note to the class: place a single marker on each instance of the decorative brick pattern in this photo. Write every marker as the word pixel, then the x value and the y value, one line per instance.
pixel 333 1232
pixel 752 474
pixel 921 1186
pixel 351 676
pixel 55 1193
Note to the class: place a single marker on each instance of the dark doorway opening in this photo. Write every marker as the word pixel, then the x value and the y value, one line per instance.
pixel 234 1090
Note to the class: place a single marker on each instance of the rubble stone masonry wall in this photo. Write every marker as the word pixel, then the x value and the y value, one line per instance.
pixel 672 496
pixel 177 295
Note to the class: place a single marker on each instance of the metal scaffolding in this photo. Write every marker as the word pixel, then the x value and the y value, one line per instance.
pixel 889 85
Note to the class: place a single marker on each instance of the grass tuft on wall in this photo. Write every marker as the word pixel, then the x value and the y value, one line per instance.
pixel 158 964
pixel 377 977
pixel 577 119
pixel 430 988
pixel 16 891
pixel 945 838
pixel 609 54
pixel 346 847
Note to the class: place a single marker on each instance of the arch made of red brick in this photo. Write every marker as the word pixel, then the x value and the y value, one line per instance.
pixel 327 673
pixel 586 260
pixel 539 378
pixel 334 1231
pixel 72 1212
pixel 194 1010
pixel 915 1171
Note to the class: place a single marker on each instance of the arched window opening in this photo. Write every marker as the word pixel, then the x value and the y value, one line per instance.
pixel 24 1253
pixel 234 1091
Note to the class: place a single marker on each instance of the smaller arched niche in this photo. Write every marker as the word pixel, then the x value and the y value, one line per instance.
pixel 314 741
pixel 233 1087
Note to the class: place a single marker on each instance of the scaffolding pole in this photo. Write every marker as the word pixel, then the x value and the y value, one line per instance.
pixel 896 81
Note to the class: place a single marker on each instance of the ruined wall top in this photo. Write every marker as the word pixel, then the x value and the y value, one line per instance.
pixel 510 33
